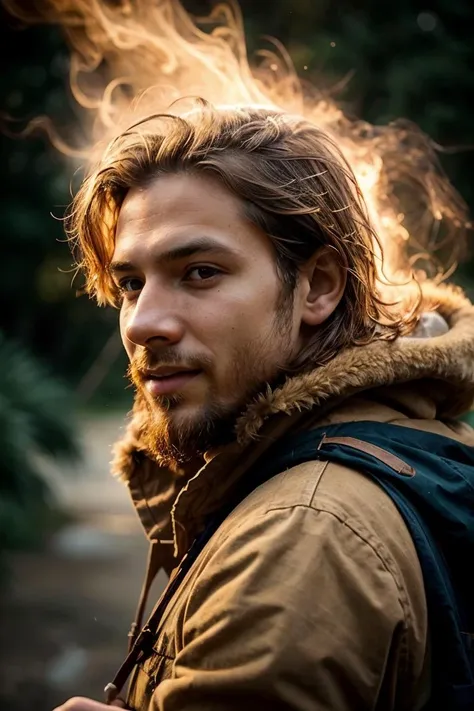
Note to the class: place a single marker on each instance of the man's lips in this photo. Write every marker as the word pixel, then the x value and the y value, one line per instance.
pixel 168 381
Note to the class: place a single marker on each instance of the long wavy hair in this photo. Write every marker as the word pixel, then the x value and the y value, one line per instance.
pixel 293 182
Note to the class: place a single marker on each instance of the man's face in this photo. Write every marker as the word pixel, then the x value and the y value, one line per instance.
pixel 200 319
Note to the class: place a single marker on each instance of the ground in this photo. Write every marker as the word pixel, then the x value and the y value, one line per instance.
pixel 66 611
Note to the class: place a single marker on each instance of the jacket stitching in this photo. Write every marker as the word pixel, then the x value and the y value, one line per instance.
pixel 145 499
pixel 386 561
pixel 162 655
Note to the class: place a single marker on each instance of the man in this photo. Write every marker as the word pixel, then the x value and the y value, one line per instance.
pixel 237 246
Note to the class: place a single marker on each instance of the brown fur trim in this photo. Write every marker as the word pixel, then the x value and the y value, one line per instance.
pixel 124 452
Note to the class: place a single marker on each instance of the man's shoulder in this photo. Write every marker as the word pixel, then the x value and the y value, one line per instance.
pixel 321 486
pixel 345 489
pixel 361 509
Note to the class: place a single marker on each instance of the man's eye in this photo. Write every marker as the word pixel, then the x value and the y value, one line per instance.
pixel 130 284
pixel 201 273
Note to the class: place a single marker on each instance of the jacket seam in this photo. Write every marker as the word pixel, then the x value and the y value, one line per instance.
pixel 162 655
pixel 388 565
pixel 145 499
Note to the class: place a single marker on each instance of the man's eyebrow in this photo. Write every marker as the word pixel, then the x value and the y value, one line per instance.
pixel 200 245
pixel 120 267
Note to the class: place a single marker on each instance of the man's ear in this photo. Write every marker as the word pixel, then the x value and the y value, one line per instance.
pixel 324 281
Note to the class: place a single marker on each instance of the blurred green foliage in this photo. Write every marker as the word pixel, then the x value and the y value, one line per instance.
pixel 41 309
pixel 48 338
pixel 35 419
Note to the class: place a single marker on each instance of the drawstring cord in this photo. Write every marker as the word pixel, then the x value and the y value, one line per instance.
pixel 140 646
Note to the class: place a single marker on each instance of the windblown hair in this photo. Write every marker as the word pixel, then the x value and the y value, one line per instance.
pixel 293 182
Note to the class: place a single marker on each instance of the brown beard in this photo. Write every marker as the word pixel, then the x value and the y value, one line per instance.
pixel 175 445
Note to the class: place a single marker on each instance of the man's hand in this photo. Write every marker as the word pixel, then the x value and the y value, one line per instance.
pixel 78 703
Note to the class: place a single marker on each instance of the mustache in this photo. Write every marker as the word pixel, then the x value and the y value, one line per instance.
pixel 144 360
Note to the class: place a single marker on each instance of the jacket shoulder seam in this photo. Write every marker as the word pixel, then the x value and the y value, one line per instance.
pixel 376 546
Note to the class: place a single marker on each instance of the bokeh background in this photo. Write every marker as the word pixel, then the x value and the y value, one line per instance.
pixel 71 551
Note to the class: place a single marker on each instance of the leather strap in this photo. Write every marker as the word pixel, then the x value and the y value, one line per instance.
pixel 389 459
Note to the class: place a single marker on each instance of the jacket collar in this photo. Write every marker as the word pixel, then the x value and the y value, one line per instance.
pixel 172 509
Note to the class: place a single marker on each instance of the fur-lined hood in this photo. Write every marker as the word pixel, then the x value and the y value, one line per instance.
pixel 444 355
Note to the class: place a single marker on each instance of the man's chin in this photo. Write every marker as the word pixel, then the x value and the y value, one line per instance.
pixel 181 432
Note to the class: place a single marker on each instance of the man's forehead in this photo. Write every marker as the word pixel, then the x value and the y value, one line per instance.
pixel 174 209
pixel 178 197
pixel 154 224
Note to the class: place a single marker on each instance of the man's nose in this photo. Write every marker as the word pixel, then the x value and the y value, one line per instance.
pixel 154 317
